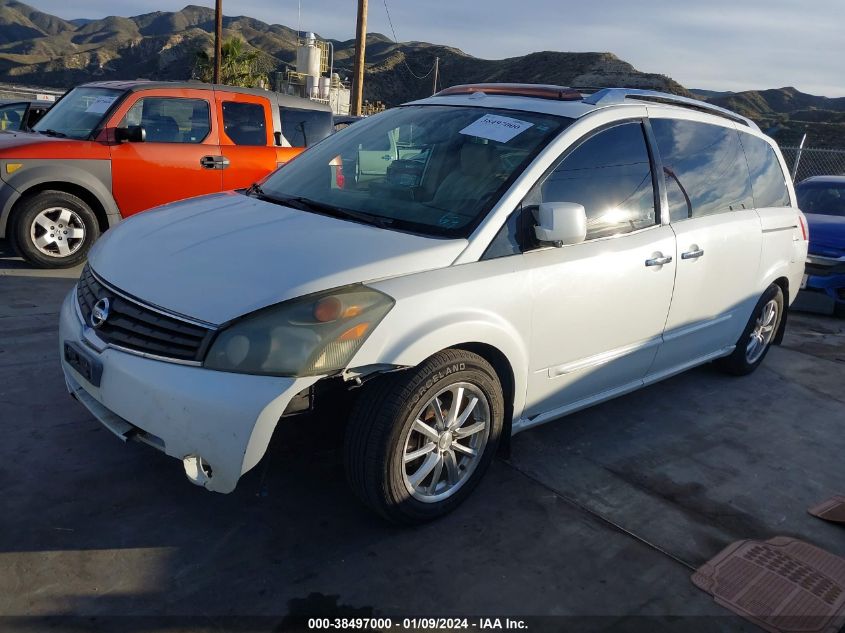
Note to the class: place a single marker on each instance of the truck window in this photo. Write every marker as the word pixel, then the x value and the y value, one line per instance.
pixel 244 123
pixel 303 128
pixel 170 119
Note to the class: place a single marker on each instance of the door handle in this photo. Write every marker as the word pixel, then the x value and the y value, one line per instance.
pixel 659 260
pixel 699 252
pixel 214 162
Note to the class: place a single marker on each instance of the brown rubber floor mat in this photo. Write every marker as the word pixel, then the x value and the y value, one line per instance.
pixel 782 585
pixel 831 510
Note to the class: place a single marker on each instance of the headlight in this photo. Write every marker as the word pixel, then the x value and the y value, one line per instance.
pixel 315 334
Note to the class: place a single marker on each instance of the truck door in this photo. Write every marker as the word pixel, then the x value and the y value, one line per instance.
pixel 246 138
pixel 172 163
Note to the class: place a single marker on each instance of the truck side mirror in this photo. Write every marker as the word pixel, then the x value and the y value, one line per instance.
pixel 132 133
pixel 561 223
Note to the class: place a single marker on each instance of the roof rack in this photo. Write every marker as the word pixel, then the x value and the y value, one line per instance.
pixel 610 96
pixel 539 91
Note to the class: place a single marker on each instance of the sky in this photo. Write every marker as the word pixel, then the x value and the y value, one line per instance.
pixel 714 44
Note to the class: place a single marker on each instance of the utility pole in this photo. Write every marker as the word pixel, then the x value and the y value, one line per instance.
pixel 436 74
pixel 358 71
pixel 218 39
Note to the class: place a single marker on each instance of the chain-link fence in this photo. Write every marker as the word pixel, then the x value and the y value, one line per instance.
pixel 814 162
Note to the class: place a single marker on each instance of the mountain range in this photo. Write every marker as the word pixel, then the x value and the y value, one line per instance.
pixel 40 49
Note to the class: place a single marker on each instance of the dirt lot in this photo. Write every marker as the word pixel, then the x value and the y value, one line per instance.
pixel 599 517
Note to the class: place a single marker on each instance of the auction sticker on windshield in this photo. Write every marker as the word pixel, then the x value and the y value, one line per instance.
pixel 496 128
pixel 100 104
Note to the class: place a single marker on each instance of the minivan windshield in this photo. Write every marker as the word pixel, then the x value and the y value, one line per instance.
pixel 430 169
pixel 78 113
pixel 823 198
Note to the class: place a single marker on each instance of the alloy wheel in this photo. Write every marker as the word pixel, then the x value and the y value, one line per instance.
pixel 445 443
pixel 763 332
pixel 57 232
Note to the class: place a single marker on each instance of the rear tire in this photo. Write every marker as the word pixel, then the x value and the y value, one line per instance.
pixel 412 461
pixel 756 339
pixel 54 229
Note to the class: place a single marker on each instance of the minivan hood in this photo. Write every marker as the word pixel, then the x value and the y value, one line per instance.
pixel 827 234
pixel 218 257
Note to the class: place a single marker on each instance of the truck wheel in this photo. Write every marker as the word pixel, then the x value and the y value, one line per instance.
pixel 54 229
pixel 418 441
pixel 756 340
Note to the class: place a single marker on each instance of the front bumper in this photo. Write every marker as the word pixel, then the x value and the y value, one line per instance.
pixel 225 419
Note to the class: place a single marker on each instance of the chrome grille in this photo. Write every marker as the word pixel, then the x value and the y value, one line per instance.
pixel 135 327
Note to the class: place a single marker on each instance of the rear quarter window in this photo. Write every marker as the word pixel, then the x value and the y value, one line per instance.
pixel 768 181
pixel 303 127
pixel 704 168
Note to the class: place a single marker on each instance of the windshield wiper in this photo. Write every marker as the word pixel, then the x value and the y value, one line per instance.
pixel 255 191
pixel 306 204
pixel 55 133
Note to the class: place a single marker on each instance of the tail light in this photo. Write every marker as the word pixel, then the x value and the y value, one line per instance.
pixel 805 233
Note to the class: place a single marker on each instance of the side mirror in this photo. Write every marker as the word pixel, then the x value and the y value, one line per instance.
pixel 133 134
pixel 561 223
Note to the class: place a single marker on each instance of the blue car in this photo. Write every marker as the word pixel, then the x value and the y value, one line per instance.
pixel 822 199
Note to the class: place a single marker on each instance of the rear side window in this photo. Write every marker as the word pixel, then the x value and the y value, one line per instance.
pixel 245 123
pixel 170 119
pixel 704 168
pixel 610 174
pixel 768 182
pixel 303 128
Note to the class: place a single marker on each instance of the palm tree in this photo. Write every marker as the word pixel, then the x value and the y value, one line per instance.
pixel 240 66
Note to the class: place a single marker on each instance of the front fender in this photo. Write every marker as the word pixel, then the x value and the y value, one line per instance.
pixel 93 175
pixel 482 302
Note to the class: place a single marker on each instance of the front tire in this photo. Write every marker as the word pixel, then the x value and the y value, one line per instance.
pixel 756 339
pixel 419 441
pixel 54 229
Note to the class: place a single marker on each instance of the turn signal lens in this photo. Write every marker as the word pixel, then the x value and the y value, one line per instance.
pixel 11 168
pixel 354 333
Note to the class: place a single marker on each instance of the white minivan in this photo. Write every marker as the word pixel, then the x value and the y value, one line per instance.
pixel 463 267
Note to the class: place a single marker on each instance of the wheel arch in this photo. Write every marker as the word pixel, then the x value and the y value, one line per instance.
pixel 75 189
pixel 504 371
pixel 489 335
pixel 90 182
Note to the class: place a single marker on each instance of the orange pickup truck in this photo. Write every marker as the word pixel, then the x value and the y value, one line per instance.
pixel 107 150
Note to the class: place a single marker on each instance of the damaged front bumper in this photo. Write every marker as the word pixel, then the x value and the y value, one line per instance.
pixel 219 424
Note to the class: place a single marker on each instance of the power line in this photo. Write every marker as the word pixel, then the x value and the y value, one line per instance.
pixel 390 21
pixel 396 41
pixel 431 70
